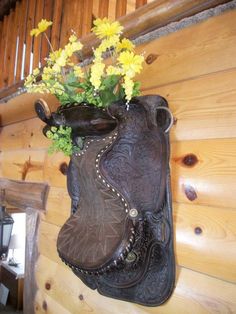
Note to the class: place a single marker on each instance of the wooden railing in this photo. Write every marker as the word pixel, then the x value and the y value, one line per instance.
pixel 20 53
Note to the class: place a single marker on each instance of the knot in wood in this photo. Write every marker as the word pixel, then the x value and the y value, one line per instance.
pixel 151 58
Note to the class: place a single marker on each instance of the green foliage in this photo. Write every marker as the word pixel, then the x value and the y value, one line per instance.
pixel 61 141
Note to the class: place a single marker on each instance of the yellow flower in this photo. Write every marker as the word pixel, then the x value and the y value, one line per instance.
pixel 58 89
pixel 125 44
pixel 36 71
pixel 38 88
pixel 72 38
pixel 104 28
pixel 42 27
pixel 128 86
pixel 61 61
pixel 55 55
pixel 111 70
pixel 70 48
pixel 131 63
pixel 76 46
pixel 29 81
pixel 56 68
pixel 48 73
pixel 98 54
pixel 78 72
pixel 96 74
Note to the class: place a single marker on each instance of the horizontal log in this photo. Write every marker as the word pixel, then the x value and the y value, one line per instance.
pixel 205 239
pixel 22 107
pixel 24 135
pixel 152 16
pixel 25 194
pixel 204 107
pixel 182 56
pixel 58 206
pixel 204 172
pixel 25 165
pixel 43 303
pixel 47 241
pixel 191 292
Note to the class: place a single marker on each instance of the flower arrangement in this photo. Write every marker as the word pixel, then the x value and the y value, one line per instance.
pixel 99 84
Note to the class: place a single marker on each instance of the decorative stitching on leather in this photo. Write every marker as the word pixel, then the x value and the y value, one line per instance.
pixel 101 177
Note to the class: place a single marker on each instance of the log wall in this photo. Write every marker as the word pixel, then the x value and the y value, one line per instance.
pixel 20 53
pixel 195 69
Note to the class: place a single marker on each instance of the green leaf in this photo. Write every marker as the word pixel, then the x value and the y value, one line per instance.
pixel 111 81
pixel 136 89
pixel 107 97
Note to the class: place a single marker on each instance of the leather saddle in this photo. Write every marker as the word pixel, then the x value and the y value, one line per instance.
pixel 119 237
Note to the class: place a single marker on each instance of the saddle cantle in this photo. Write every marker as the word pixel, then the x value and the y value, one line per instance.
pixel 119 237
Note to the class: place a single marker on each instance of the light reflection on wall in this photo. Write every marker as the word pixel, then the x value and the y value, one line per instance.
pixel 18 238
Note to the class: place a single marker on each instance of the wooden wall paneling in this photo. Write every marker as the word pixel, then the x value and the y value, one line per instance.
pixel 205 239
pixel 55 168
pixel 23 135
pixel 187 297
pixel 8 45
pixel 182 56
pixel 22 37
pixel 38 39
pixel 112 10
pixel 21 108
pixel 204 172
pixel 79 18
pixel 121 6
pixel 58 206
pixel 29 39
pixel 204 107
pixel 140 3
pixel 3 49
pixel 71 22
pixel 95 8
pixel 14 36
pixel 103 8
pixel 48 233
pixel 87 17
pixel 48 15
pixel 45 304
pixel 56 27
pixel 131 6
pixel 25 165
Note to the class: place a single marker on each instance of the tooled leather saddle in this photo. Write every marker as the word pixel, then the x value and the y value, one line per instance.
pixel 119 237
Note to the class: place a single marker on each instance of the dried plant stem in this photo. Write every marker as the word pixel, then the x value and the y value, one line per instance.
pixel 50 45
